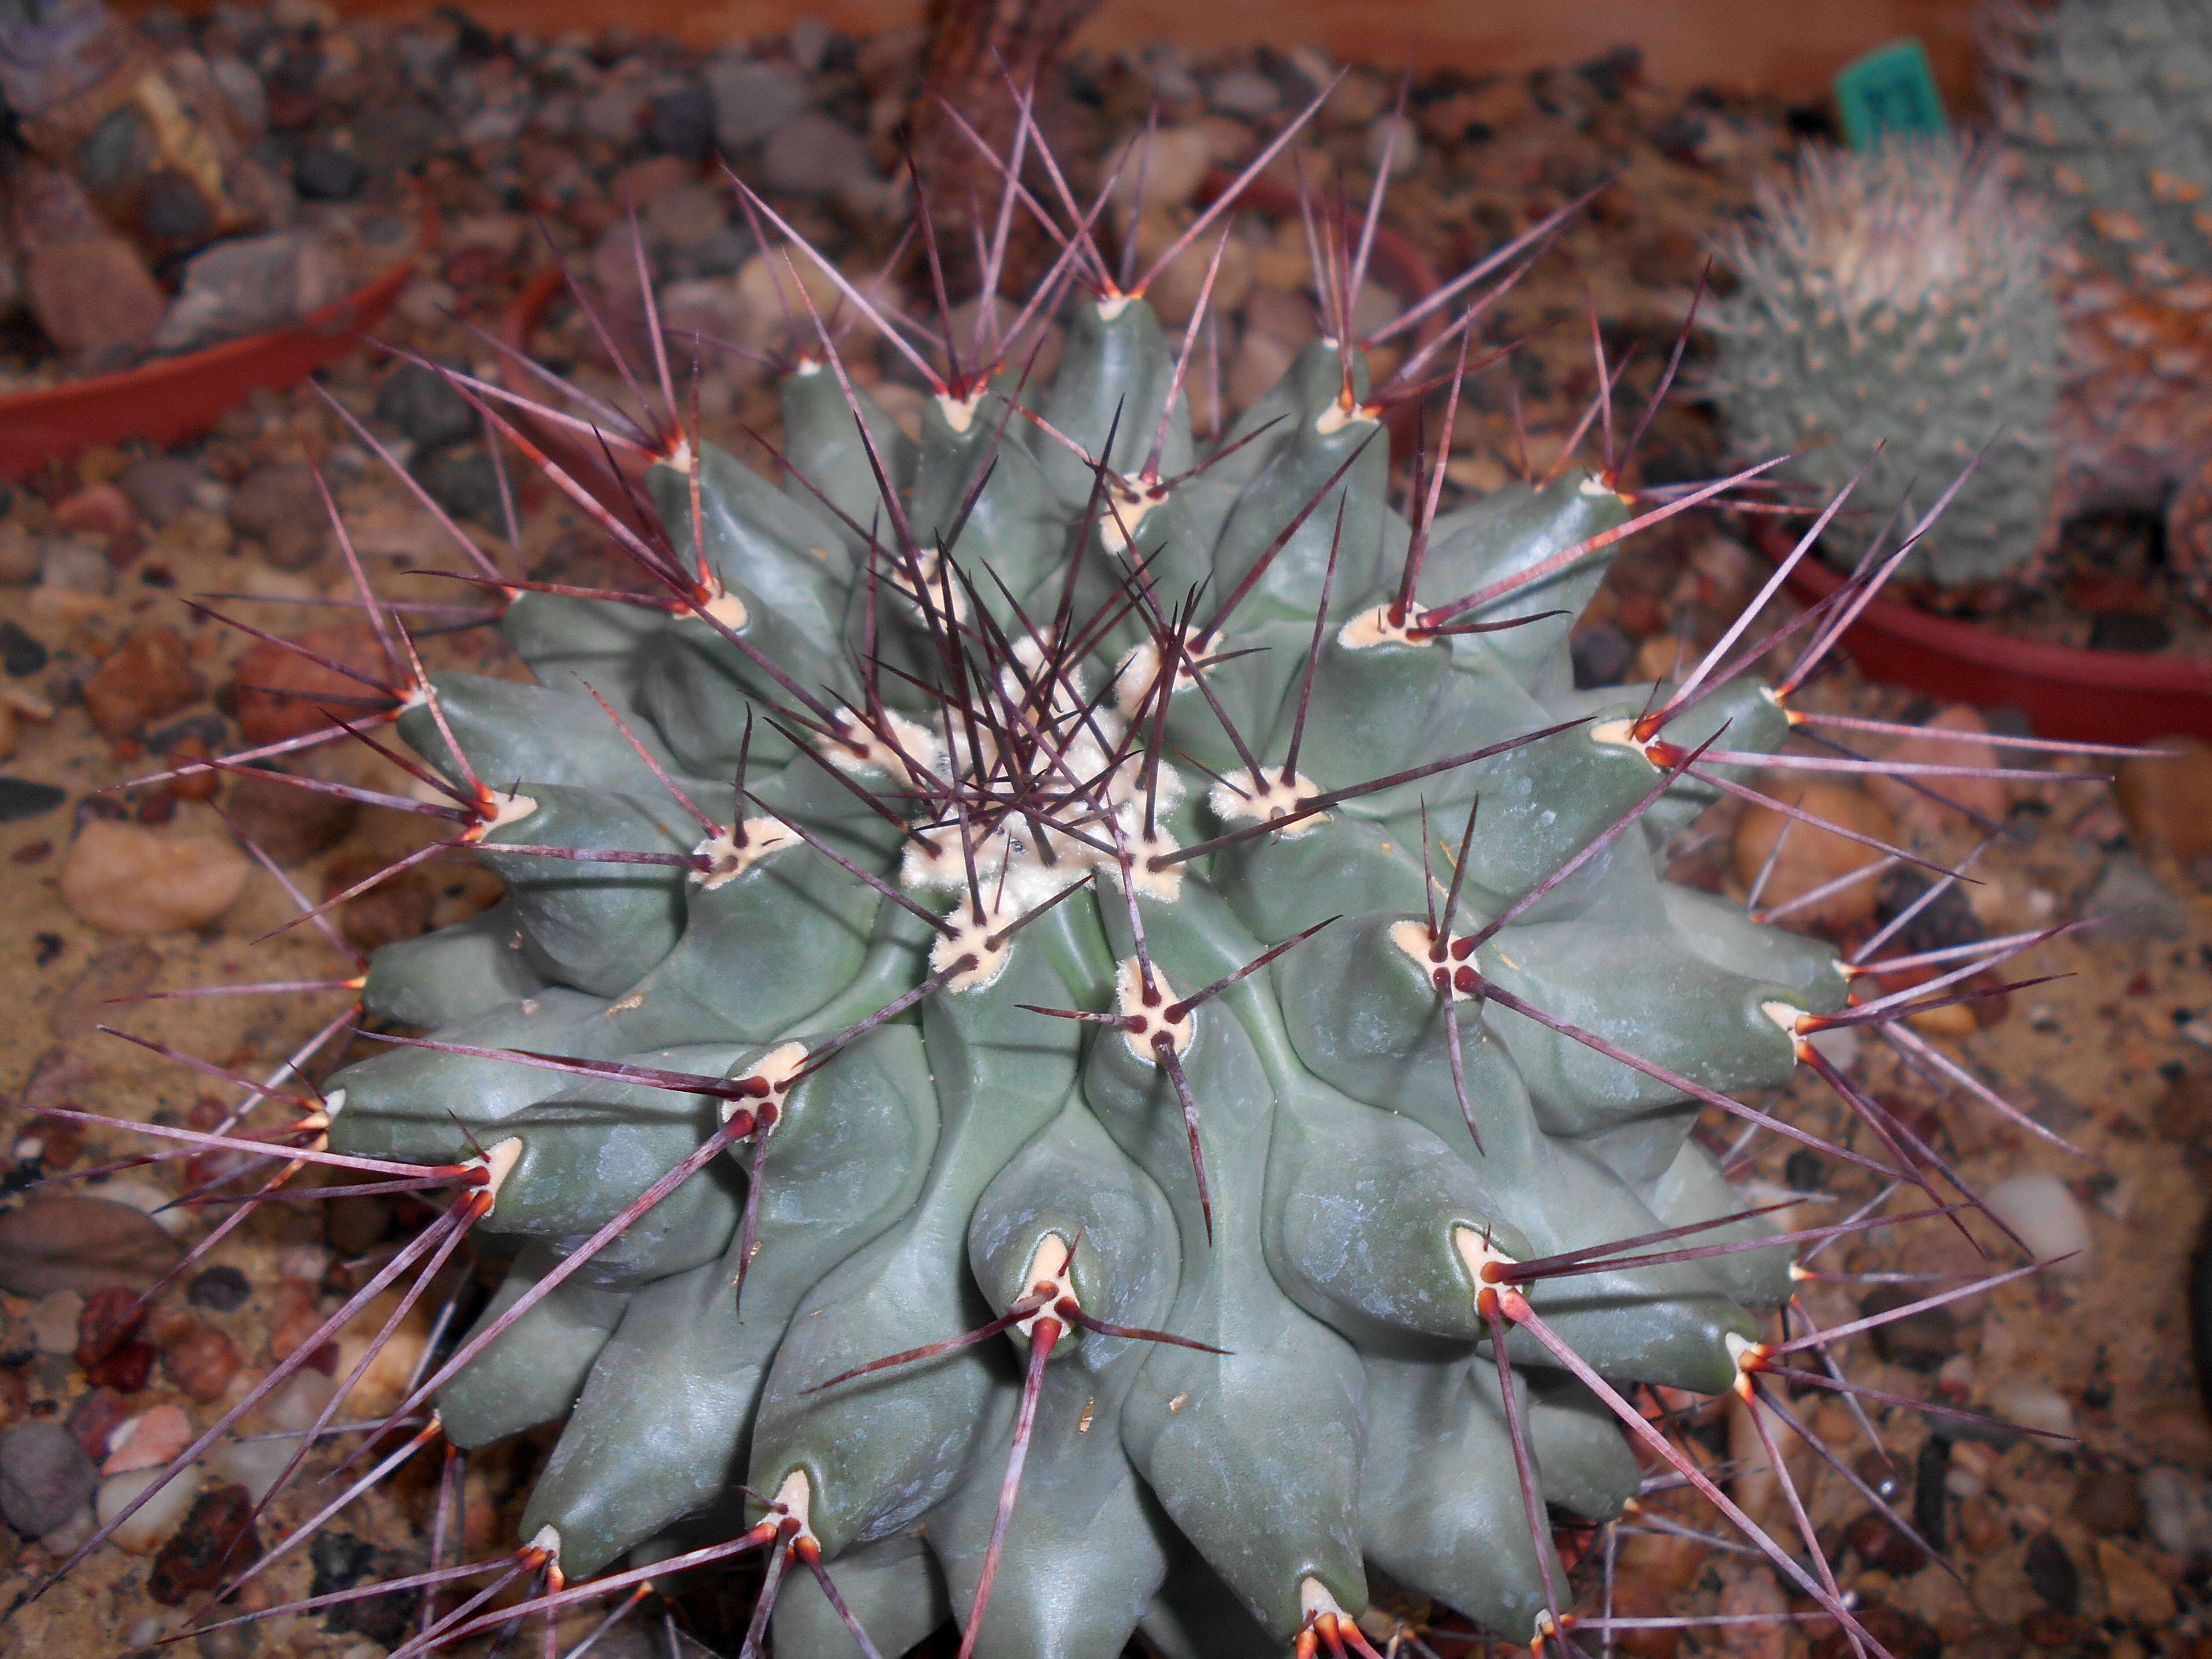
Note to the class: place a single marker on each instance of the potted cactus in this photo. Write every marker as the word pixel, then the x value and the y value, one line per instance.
pixel 1899 303
pixel 1056 1054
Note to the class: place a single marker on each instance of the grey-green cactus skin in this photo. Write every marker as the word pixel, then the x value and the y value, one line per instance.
pixel 2104 102
pixel 1898 305
pixel 1354 1416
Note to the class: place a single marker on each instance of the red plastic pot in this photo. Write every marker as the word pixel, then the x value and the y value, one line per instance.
pixel 2096 696
pixel 173 399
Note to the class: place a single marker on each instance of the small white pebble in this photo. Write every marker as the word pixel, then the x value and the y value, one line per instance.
pixel 1963 1483
pixel 308 1261
pixel 2033 1404
pixel 149 1200
pixel 67 1540
pixel 2041 901
pixel 53 1321
pixel 254 1465
pixel 2177 1509
pixel 1957 1372
pixel 2047 1217
pixel 150 1525
pixel 299 1401
pixel 29 1149
pixel 1403 140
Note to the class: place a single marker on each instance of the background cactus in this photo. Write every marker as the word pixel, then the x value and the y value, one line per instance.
pixel 2103 110
pixel 1056 1050
pixel 1899 298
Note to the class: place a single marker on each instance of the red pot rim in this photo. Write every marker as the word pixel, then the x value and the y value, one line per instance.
pixel 2069 691
pixel 173 398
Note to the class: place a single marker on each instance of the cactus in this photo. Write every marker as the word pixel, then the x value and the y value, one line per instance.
pixel 1056 1050
pixel 2104 101
pixel 2102 108
pixel 1897 302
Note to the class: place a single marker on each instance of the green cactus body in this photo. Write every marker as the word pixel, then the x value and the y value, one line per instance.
pixel 1330 1400
pixel 1899 299
pixel 2104 100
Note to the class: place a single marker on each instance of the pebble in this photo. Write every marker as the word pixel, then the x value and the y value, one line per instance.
pixel 95 299
pixel 751 100
pixel 153 1520
pixel 1812 857
pixel 1172 166
pixel 2178 1510
pixel 1920 1341
pixel 2168 801
pixel 160 1208
pixel 21 798
pixel 99 513
pixel 2051 1573
pixel 71 564
pixel 147 1441
pixel 430 412
pixel 2129 902
pixel 327 173
pixel 300 1400
pixel 2132 1590
pixel 19 556
pixel 1244 91
pixel 279 505
pixel 53 1321
pixel 256 1465
pixel 78 1244
pixel 246 286
pixel 1397 136
pixel 2044 1212
pixel 1601 654
pixel 125 878
pixel 201 1362
pixel 216 1540
pixel 160 488
pixel 149 675
pixel 463 481
pixel 813 154
pixel 45 1477
pixel 2107 1502
pixel 2032 1404
pixel 219 1290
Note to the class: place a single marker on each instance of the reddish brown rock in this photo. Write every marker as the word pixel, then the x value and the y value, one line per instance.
pixel 278 688
pixel 95 299
pixel 217 1541
pixel 201 1362
pixel 81 1244
pixel 288 823
pixel 103 513
pixel 149 675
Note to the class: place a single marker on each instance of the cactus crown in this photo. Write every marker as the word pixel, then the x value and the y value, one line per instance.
pixel 1898 301
pixel 1057 1050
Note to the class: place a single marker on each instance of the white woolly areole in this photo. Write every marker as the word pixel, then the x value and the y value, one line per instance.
pixel 1412 938
pixel 1111 305
pixel 1621 734
pixel 1133 680
pixel 548 1539
pixel 1273 798
pixel 1124 511
pixel 1372 627
pixel 726 608
pixel 1149 1019
pixel 859 750
pixel 731 861
pixel 775 1068
pixel 959 412
pixel 1315 1602
pixel 795 1498
pixel 972 938
pixel 497 1164
pixel 1337 416
pixel 1789 1017
pixel 1477 1252
pixel 507 808
pixel 1050 1263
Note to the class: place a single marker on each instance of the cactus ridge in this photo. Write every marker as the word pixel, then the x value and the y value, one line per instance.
pixel 1056 1052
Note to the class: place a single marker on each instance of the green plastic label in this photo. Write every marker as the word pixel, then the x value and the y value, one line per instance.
pixel 1891 89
